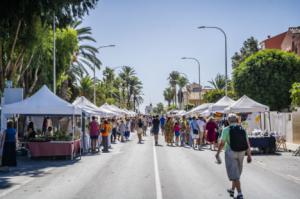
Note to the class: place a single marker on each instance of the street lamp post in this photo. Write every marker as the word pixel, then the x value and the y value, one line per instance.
pixel 225 36
pixel 107 46
pixel 199 76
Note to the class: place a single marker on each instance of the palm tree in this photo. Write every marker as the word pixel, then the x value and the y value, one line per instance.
pixel 169 95
pixel 219 82
pixel 86 87
pixel 182 82
pixel 173 80
pixel 126 75
pixel 135 91
pixel 85 57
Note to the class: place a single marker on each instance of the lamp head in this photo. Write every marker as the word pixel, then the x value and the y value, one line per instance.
pixel 184 58
pixel 201 27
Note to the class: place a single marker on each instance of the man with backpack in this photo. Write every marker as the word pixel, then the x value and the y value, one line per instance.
pixel 236 143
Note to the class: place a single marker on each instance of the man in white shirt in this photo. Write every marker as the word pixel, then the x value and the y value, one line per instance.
pixel 201 125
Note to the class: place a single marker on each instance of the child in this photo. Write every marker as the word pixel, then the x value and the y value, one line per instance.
pixel 177 133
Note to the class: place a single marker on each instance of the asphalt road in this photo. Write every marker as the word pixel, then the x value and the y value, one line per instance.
pixel 142 171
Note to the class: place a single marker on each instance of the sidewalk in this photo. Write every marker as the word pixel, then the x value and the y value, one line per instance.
pixel 292 146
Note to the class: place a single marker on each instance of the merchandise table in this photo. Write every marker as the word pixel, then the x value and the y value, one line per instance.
pixel 265 144
pixel 54 148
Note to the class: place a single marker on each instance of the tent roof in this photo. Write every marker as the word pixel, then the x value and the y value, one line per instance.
pixel 43 102
pixel 199 108
pixel 246 105
pixel 113 109
pixel 221 104
pixel 87 106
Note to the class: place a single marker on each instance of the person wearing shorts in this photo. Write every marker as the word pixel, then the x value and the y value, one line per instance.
pixel 162 124
pixel 233 159
pixel 155 128
pixel 94 133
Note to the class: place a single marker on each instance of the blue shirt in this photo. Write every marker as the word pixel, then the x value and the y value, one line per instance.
pixel 162 121
pixel 10 135
pixel 194 125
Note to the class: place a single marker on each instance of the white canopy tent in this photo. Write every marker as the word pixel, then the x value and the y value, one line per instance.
pixel 221 104
pixel 90 108
pixel 199 109
pixel 246 105
pixel 113 109
pixel 43 102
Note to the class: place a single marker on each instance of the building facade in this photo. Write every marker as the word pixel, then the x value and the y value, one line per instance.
pixel 288 41
pixel 191 94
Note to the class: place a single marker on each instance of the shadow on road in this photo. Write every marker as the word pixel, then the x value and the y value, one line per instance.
pixel 31 168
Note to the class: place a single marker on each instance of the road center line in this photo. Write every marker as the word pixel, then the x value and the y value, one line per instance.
pixel 157 178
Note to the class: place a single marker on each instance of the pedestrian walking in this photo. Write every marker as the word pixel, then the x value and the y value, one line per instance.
pixel 235 140
pixel 211 130
pixel 184 128
pixel 195 135
pixel 94 133
pixel 155 128
pixel 190 134
pixel 177 133
pixel 9 156
pixel 145 126
pixel 201 124
pixel 122 129
pixel 162 124
pixel 114 131
pixel 169 133
pixel 127 130
pixel 105 135
pixel 140 130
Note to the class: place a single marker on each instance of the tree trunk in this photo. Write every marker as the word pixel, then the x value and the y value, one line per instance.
pixel 35 80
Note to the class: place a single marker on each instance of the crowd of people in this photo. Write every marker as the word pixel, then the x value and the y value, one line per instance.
pixel 194 132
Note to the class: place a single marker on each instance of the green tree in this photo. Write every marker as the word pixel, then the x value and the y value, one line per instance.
pixel 267 77
pixel 168 95
pixel 213 96
pixel 250 46
pixel 23 25
pixel 219 82
pixel 159 109
pixel 173 80
pixel 182 82
pixel 295 94
pixel 86 87
pixel 85 57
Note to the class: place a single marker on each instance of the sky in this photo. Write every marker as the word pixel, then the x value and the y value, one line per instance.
pixel 153 35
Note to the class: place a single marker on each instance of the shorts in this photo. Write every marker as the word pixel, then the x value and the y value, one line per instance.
pixel 195 136
pixel 94 137
pixel 177 133
pixel 127 133
pixel 139 131
pixel 234 163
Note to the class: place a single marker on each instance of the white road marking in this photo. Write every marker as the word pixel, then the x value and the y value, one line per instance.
pixel 157 178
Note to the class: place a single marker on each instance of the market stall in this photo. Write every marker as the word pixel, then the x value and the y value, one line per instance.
pixel 89 109
pixel 199 109
pixel 221 105
pixel 117 111
pixel 264 141
pixel 59 134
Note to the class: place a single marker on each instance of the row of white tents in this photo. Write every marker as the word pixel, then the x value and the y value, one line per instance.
pixel 44 102
pixel 225 105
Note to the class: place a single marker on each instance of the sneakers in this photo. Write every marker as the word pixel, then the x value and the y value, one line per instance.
pixel 231 192
pixel 240 197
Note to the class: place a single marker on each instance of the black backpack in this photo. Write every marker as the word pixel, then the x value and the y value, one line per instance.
pixel 238 139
